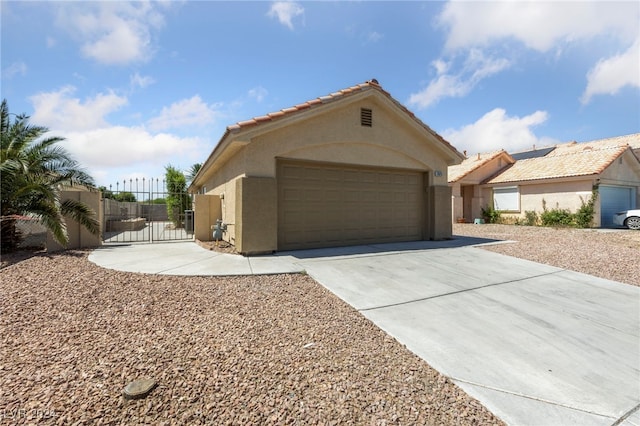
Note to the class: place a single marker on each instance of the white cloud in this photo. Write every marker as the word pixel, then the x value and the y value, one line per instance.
pixel 548 27
pixel 120 146
pixel 184 113
pixel 60 111
pixel 610 75
pixel 112 33
pixel 258 93
pixel 101 147
pixel 137 80
pixel 475 68
pixel 496 130
pixel 285 11
pixel 51 42
pixel 16 68
pixel 538 25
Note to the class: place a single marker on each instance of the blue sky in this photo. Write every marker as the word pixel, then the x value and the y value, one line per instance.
pixel 134 86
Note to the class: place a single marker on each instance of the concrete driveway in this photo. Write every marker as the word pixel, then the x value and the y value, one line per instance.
pixel 537 345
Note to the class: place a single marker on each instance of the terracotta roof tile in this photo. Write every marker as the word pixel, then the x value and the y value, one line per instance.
pixel 572 160
pixel 330 98
pixel 313 102
pixel 472 163
pixel 632 140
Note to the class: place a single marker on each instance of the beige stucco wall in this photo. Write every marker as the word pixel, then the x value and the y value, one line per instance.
pixel 223 185
pixel 478 199
pixel 556 194
pixel 439 219
pixel 564 195
pixel 256 215
pixel 624 172
pixel 331 134
pixel 336 136
pixel 209 209
pixel 79 237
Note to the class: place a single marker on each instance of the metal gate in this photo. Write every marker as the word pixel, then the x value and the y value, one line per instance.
pixel 142 210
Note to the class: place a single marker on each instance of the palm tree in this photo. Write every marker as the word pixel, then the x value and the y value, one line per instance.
pixel 193 171
pixel 33 171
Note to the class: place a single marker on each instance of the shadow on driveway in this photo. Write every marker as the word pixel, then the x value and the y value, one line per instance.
pixel 455 242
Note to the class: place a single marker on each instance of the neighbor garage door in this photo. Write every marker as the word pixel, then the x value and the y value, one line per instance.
pixel 612 200
pixel 323 205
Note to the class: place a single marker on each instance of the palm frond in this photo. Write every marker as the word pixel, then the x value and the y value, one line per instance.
pixel 48 214
pixel 34 169
pixel 82 214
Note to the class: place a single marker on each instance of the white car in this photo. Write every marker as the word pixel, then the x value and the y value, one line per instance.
pixel 628 218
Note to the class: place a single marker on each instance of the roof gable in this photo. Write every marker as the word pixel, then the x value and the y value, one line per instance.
pixel 243 131
pixel 475 163
pixel 257 124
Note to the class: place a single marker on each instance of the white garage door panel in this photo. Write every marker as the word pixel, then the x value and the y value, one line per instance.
pixel 328 205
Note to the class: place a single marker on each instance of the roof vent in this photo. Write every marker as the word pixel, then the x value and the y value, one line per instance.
pixel 366 117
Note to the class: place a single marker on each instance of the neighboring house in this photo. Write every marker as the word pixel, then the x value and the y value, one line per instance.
pixel 352 167
pixel 563 176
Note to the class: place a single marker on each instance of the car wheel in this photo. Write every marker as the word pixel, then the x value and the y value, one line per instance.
pixel 633 222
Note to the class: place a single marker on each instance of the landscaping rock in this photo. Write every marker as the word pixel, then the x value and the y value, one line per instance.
pixel 139 388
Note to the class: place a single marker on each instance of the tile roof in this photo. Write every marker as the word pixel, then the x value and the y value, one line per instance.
pixel 332 97
pixel 470 164
pixel 567 160
pixel 252 123
pixel 628 140
pixel 305 105
pixel 562 160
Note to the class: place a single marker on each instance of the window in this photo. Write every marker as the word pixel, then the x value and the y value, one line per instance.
pixel 506 199
pixel 366 117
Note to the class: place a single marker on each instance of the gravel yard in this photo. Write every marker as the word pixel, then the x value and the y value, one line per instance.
pixel 274 349
pixel 610 254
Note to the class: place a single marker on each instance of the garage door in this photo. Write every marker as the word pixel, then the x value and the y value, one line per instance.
pixel 612 200
pixel 323 205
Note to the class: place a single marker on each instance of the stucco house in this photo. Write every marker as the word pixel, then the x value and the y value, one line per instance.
pixel 352 167
pixel 562 175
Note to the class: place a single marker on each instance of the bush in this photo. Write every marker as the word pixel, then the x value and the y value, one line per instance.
pixel 491 215
pixel 556 217
pixel 531 218
pixel 177 200
pixel 584 215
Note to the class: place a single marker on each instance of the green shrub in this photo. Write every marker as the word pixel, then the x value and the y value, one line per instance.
pixel 531 218
pixel 177 199
pixel 584 215
pixel 491 215
pixel 556 217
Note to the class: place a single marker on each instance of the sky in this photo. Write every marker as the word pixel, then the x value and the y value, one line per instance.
pixel 135 86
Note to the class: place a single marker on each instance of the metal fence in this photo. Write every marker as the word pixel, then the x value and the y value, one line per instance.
pixel 143 210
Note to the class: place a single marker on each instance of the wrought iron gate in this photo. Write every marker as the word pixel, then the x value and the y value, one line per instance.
pixel 142 210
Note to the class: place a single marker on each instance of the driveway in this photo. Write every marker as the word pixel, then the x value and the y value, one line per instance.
pixel 537 345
